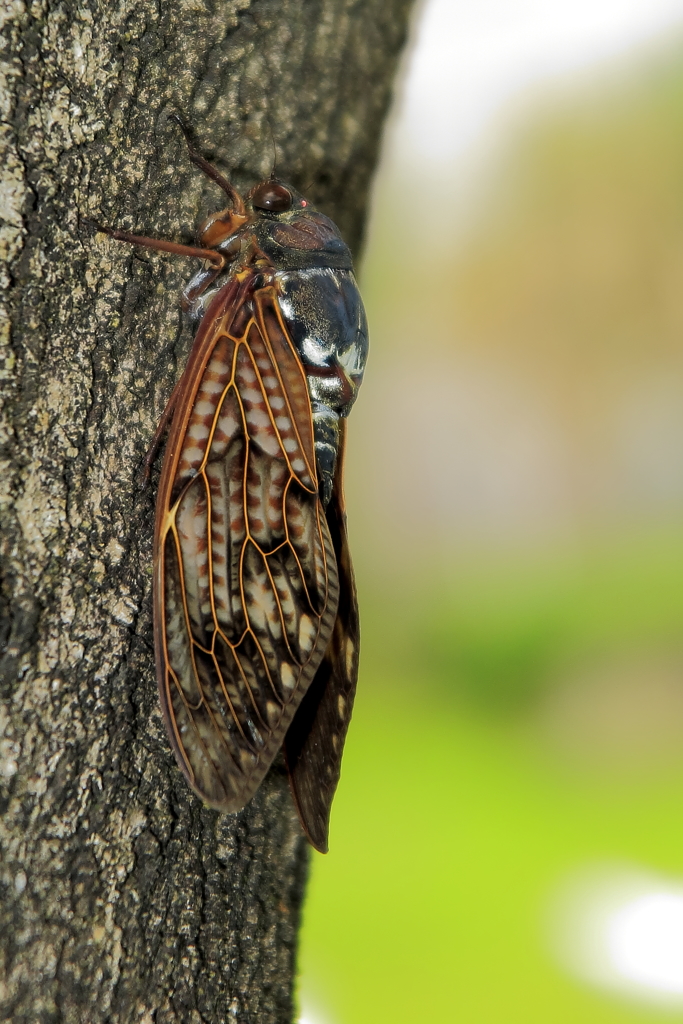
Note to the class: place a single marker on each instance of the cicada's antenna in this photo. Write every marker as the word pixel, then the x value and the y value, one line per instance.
pixel 208 169
pixel 273 143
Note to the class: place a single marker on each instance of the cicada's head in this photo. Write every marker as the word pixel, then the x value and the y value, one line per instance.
pixel 290 231
pixel 286 227
pixel 218 227
pixel 274 197
pixel 268 199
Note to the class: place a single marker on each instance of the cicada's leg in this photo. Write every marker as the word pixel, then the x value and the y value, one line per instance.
pixel 161 245
pixel 209 170
pixel 197 286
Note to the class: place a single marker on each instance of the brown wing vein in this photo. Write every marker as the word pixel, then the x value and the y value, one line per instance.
pixel 310 462
pixel 294 553
pixel 197 677
pixel 314 742
pixel 225 758
pixel 293 472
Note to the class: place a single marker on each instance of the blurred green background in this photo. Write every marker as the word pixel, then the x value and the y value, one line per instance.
pixel 515 490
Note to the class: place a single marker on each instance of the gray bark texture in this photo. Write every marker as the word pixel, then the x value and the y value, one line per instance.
pixel 122 898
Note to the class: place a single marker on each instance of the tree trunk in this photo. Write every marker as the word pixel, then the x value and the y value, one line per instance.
pixel 123 898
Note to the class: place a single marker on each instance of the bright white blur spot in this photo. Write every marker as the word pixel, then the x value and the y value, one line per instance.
pixel 312 1014
pixel 622 930
pixel 645 941
pixel 469 68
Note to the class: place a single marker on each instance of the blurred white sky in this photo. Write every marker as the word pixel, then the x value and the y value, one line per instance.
pixel 506 463
pixel 471 57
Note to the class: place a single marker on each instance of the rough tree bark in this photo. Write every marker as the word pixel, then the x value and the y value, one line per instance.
pixel 124 899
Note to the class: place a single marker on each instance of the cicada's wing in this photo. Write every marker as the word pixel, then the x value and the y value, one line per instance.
pixel 246 583
pixel 315 739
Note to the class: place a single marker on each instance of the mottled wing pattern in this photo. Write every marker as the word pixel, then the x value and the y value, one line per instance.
pixel 246 585
pixel 315 740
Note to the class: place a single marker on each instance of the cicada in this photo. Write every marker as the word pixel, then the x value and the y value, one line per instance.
pixel 255 611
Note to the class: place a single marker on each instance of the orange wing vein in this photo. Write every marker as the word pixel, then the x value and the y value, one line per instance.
pixel 246 581
pixel 315 739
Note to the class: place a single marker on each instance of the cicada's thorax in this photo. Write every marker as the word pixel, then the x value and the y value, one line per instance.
pixel 306 259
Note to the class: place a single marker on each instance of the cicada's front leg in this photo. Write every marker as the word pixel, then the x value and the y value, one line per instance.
pixel 216 259
pixel 193 298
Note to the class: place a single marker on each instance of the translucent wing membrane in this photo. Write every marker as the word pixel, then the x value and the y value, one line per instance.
pixel 246 584
pixel 315 739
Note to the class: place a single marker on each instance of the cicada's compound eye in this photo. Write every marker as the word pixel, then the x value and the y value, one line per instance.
pixel 272 197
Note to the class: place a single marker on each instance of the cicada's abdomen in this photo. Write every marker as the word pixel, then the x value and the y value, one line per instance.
pixel 326 320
